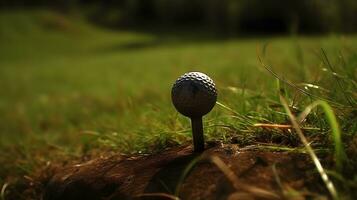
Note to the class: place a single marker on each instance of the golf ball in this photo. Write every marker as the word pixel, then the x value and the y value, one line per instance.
pixel 194 94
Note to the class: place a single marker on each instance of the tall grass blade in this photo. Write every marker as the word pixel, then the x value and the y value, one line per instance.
pixel 3 189
pixel 329 185
pixel 340 154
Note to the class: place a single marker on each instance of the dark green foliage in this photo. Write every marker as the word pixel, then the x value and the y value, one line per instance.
pixel 224 17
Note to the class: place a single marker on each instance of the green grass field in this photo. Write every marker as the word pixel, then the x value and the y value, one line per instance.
pixel 69 89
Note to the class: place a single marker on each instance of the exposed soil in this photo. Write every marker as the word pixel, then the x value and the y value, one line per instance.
pixel 118 177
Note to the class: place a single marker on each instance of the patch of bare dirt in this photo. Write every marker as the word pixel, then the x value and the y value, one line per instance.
pixel 119 177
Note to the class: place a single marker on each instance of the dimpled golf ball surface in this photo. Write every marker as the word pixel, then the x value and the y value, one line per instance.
pixel 194 94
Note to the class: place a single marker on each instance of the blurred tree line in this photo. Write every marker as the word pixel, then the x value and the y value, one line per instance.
pixel 221 16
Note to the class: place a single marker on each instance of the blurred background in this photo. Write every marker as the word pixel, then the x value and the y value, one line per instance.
pixel 223 17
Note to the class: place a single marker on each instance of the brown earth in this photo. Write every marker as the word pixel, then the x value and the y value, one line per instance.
pixel 157 176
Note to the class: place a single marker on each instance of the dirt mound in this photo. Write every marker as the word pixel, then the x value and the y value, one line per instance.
pixel 157 176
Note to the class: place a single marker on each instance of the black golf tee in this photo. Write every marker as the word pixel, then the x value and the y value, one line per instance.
pixel 197 134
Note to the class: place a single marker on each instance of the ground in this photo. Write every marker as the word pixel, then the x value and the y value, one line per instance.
pixel 141 177
pixel 71 91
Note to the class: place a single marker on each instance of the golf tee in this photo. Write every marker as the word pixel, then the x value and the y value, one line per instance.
pixel 197 134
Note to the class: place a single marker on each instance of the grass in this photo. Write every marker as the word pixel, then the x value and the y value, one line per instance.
pixel 69 90
pixel 329 185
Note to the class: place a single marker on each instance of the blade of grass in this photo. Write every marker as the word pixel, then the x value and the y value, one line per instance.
pixel 237 115
pixel 277 178
pixel 278 148
pixel 340 155
pixel 227 108
pixel 282 126
pixel 3 190
pixel 329 185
